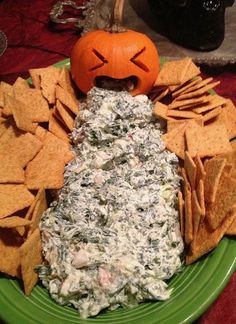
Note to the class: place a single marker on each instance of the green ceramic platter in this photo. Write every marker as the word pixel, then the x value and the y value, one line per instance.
pixel 194 290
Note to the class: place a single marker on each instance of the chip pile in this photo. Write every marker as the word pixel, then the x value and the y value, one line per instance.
pixel 34 148
pixel 200 125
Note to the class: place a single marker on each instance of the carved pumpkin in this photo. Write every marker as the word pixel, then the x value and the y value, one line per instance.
pixel 116 53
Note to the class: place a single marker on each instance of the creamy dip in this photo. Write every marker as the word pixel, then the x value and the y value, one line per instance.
pixel 112 238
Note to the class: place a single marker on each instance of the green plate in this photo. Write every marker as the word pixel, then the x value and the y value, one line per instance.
pixel 195 288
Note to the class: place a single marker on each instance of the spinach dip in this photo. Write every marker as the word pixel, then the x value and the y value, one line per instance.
pixel 112 238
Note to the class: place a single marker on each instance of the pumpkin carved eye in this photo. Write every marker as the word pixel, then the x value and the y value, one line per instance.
pixel 137 62
pixel 101 58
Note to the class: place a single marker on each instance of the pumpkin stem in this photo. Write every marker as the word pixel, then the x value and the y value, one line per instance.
pixel 116 17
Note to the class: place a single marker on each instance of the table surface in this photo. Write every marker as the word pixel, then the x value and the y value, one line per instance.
pixel 35 42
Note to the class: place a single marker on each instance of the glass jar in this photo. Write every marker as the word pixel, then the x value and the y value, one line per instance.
pixel 195 24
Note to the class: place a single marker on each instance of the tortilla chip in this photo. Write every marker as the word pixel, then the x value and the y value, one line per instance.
pixel 160 111
pixel 37 106
pixel 9 252
pixel 224 200
pixel 13 222
pixel 207 239
pixel 173 72
pixel 188 218
pixel 214 169
pixel 67 99
pixel 181 212
pixel 198 92
pixel 191 169
pixel 66 116
pixel 211 140
pixel 14 197
pixel 40 207
pixel 11 171
pixel 30 257
pixel 46 79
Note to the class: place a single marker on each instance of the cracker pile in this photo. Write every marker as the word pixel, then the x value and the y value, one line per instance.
pixel 200 125
pixel 34 149
pixel 35 122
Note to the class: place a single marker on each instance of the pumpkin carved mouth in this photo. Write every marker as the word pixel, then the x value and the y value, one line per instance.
pixel 125 84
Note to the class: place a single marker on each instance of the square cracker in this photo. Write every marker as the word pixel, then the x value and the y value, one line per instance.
pixel 231 116
pixel 56 127
pixel 224 200
pixel 173 72
pixel 21 115
pixel 160 111
pixel 45 170
pixel 46 80
pixel 191 169
pixel 67 99
pixel 181 212
pixel 14 197
pixel 188 233
pixel 207 239
pixel 175 140
pixel 40 207
pixel 16 143
pixel 214 169
pixel 37 105
pixel 11 171
pixel 65 114
pixel 9 251
pixel 30 257
pixel 209 140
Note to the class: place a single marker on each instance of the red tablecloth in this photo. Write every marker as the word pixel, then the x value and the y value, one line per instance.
pixel 35 42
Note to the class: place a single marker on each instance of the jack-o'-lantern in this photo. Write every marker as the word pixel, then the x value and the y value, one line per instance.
pixel 115 53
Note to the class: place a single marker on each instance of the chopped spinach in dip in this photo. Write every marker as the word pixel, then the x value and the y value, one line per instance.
pixel 113 237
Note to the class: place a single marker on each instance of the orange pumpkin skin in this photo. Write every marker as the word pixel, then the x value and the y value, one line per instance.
pixel 115 55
